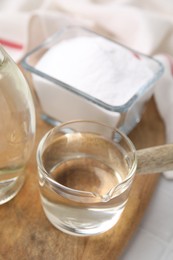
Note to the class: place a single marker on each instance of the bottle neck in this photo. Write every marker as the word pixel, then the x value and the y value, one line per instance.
pixel 1 55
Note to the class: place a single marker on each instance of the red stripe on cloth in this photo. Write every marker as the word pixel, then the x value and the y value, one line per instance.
pixel 10 44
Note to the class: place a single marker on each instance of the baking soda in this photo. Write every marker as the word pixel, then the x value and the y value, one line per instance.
pixel 97 67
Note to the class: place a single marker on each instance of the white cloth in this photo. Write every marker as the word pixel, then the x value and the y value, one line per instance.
pixel 164 99
pixel 144 25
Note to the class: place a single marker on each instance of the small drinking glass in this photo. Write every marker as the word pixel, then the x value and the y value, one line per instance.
pixel 17 128
pixel 85 174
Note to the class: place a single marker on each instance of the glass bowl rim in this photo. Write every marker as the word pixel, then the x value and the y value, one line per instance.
pixel 121 108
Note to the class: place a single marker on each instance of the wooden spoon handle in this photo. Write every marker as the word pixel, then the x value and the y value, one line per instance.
pixel 155 159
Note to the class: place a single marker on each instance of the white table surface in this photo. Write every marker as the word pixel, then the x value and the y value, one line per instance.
pixel 153 239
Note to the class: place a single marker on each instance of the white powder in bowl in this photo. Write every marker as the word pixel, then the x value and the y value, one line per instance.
pixel 97 67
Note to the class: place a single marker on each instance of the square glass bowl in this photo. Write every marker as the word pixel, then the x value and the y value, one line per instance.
pixel 61 101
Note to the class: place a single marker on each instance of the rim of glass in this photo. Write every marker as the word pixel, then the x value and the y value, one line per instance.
pixel 82 193
pixel 120 108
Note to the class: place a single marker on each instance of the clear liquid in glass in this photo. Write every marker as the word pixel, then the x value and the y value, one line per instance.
pixel 90 163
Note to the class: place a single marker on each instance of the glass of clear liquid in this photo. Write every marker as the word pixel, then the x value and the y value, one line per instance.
pixel 85 173
pixel 17 127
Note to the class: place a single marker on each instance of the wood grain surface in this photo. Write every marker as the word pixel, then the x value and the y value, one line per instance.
pixel 25 232
pixel 155 159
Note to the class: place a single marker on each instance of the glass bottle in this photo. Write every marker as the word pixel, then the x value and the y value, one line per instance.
pixel 17 127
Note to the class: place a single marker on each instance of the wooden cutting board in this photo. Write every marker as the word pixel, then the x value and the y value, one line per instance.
pixel 25 233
